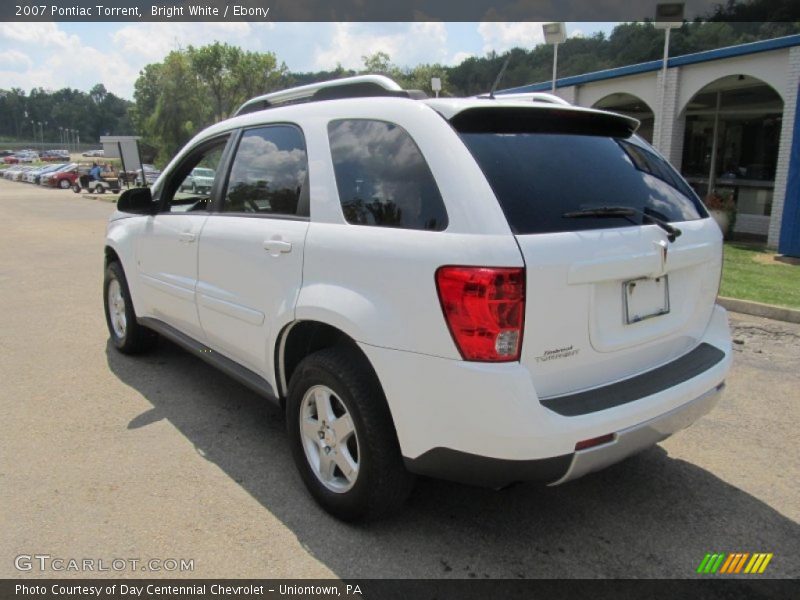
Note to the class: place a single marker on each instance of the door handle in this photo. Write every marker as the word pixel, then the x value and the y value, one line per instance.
pixel 277 247
pixel 187 237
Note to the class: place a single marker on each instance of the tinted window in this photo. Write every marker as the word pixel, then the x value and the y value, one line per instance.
pixel 651 163
pixel 539 177
pixel 192 193
pixel 268 172
pixel 382 177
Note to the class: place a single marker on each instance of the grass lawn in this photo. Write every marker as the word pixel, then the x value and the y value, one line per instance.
pixel 751 273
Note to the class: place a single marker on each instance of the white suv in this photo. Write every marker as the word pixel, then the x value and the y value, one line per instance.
pixel 485 290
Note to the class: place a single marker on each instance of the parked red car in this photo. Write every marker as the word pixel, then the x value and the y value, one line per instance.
pixel 63 179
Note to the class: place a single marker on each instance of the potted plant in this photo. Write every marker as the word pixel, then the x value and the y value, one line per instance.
pixel 723 210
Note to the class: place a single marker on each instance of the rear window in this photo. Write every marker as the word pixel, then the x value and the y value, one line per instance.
pixel 538 177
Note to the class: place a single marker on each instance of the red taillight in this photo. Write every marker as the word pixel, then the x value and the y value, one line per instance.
pixel 591 443
pixel 485 310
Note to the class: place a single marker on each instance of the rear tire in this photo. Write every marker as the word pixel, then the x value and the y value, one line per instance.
pixel 99 189
pixel 342 436
pixel 126 334
pixel 64 184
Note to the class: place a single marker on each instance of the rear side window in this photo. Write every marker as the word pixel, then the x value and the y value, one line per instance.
pixel 382 177
pixel 538 177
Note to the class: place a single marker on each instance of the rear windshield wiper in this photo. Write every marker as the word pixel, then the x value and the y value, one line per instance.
pixel 623 211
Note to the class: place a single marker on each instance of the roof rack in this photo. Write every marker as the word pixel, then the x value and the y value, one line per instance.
pixel 360 86
pixel 532 96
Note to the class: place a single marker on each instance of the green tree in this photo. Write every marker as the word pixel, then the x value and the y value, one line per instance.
pixel 417 78
pixel 195 87
pixel 213 65
pixel 180 110
pixel 379 62
pixel 256 73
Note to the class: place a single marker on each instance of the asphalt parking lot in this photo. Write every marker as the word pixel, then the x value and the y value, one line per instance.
pixel 106 456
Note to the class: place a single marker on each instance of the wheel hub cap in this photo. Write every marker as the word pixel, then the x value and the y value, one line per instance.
pixel 116 308
pixel 329 439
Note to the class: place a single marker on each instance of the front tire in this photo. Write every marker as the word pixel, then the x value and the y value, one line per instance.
pixel 64 184
pixel 342 436
pixel 126 334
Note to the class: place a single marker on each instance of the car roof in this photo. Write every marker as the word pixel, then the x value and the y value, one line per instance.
pixel 447 107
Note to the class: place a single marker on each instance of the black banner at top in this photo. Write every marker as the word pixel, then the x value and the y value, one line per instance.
pixel 386 10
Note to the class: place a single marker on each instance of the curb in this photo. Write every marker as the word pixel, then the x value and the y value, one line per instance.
pixel 101 197
pixel 757 309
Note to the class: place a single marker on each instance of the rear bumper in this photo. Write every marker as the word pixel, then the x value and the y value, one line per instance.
pixel 485 424
pixel 634 439
pixel 444 463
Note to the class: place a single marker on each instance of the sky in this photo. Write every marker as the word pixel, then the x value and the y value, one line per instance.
pixel 79 55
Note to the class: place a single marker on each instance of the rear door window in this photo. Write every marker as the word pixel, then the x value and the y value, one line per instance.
pixel 382 177
pixel 538 177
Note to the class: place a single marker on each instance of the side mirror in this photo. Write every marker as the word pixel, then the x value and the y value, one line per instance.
pixel 138 200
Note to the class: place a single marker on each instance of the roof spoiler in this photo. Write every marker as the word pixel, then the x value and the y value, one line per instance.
pixel 496 118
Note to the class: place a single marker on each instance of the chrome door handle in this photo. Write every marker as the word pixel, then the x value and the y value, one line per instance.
pixel 187 237
pixel 277 247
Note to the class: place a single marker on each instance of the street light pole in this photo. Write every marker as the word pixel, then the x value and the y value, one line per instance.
pixel 669 16
pixel 555 66
pixel 554 34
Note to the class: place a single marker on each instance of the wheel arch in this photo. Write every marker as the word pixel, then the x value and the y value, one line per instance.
pixel 115 253
pixel 110 255
pixel 299 339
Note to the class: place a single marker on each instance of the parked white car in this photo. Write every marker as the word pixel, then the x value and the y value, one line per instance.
pixel 27 156
pixel 488 291
pixel 200 180
pixel 11 172
pixel 19 173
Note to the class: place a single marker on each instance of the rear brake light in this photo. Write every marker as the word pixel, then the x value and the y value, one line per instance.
pixel 485 310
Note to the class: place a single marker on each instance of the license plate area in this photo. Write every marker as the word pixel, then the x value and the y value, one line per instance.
pixel 645 298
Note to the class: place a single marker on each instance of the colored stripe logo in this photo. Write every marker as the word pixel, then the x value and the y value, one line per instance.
pixel 734 563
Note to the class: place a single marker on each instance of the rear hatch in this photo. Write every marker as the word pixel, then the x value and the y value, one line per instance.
pixel 612 289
